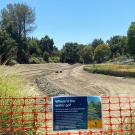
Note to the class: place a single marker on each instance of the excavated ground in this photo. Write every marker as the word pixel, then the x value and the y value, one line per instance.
pixel 65 79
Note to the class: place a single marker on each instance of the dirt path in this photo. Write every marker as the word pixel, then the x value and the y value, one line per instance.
pixel 72 80
pixel 80 82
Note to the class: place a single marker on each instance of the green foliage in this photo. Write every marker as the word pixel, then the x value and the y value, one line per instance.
pixel 10 86
pixel 70 53
pixel 56 52
pixel 11 62
pixel 131 39
pixel 18 20
pixel 118 45
pixel 47 44
pixel 86 54
pixel 112 69
pixel 46 56
pixel 102 53
pixel 97 42
pixel 94 110
pixel 34 47
pixel 36 60
pixel 54 59
pixel 7 47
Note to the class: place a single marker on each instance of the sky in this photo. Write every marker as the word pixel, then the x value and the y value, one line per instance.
pixel 79 20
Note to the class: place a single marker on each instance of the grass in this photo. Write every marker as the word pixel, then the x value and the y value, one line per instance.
pixel 112 69
pixel 10 86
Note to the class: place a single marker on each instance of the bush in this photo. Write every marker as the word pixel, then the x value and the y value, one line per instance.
pixel 11 62
pixel 46 56
pixel 54 59
pixel 36 60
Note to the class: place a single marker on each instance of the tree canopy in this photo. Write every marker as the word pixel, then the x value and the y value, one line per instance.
pixel 131 39
pixel 7 47
pixel 18 20
pixel 70 53
pixel 117 44
pixel 102 53
pixel 97 42
pixel 87 54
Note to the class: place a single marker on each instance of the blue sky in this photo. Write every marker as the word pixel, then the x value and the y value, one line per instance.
pixel 80 20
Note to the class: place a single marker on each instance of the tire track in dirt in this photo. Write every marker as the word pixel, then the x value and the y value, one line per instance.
pixel 80 82
pixel 45 79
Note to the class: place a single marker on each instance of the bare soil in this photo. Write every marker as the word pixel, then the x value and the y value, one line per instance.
pixel 58 79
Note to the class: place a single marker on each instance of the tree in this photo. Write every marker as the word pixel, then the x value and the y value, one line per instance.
pixel 34 47
pixel 87 54
pixel 7 47
pixel 18 20
pixel 47 44
pixel 102 53
pixel 97 42
pixel 70 53
pixel 23 52
pixel 46 56
pixel 118 45
pixel 131 39
pixel 56 52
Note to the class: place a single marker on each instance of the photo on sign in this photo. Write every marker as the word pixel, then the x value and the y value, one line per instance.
pixel 94 112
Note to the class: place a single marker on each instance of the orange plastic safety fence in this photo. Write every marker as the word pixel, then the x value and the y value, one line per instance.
pixel 33 116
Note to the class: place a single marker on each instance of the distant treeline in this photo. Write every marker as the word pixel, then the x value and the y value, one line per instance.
pixel 17 21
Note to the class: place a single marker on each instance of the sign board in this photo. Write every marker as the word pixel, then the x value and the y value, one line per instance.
pixel 76 112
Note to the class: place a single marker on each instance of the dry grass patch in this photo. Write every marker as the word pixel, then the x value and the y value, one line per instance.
pixel 112 69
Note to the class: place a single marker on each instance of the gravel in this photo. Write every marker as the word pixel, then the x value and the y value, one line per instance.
pixel 49 88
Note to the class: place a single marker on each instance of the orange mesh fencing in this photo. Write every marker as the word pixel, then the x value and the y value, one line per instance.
pixel 33 116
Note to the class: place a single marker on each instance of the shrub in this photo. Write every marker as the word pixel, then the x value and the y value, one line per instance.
pixel 36 60
pixel 46 56
pixel 54 59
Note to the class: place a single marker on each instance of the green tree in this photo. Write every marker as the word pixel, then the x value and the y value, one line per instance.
pixel 87 54
pixel 46 56
pixel 34 47
pixel 47 45
pixel 102 53
pixel 97 42
pixel 7 47
pixel 18 19
pixel 131 39
pixel 118 45
pixel 56 52
pixel 70 53
pixel 23 52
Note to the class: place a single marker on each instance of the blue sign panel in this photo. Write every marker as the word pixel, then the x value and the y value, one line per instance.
pixel 70 113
